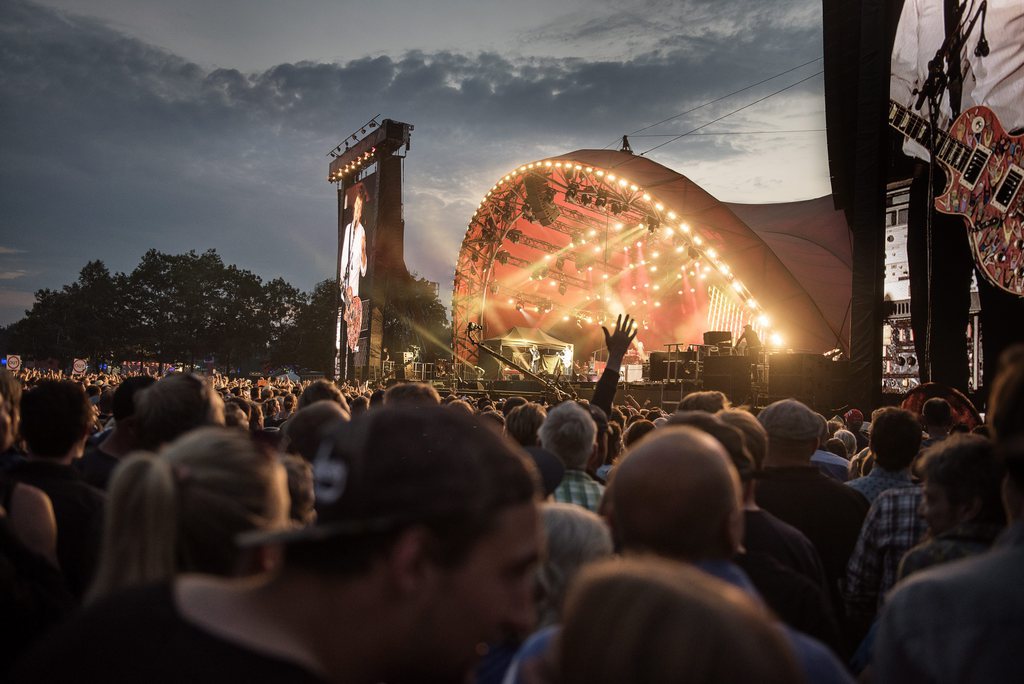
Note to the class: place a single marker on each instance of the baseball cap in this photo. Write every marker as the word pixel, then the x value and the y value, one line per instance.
pixel 391 468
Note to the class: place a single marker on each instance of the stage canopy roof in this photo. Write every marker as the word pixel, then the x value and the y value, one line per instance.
pixel 521 335
pixel 566 243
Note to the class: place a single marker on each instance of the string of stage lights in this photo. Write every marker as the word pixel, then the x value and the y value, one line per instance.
pixel 629 252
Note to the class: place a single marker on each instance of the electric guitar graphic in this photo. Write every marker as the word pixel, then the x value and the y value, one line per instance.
pixel 984 165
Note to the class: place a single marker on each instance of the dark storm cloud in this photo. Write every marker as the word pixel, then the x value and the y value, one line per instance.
pixel 112 146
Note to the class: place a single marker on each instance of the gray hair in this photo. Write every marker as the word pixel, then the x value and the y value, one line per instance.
pixel 570 434
pixel 575 537
pixel 848 439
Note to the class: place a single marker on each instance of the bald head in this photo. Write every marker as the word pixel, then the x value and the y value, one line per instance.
pixel 678 495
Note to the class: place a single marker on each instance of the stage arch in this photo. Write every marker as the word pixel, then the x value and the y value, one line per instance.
pixel 565 243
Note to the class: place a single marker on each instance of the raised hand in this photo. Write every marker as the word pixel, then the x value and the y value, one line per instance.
pixel 618 341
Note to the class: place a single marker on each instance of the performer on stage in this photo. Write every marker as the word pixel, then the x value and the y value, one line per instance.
pixel 750 339
pixel 567 360
pixel 940 280
pixel 534 359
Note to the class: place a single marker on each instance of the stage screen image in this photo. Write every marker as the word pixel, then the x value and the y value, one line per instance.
pixel 355 254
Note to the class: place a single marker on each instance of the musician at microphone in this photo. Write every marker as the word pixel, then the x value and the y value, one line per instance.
pixel 990 72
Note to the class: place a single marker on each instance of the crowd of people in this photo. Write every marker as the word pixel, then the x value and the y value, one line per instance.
pixel 194 529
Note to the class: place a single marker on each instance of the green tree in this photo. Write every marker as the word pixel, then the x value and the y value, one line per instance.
pixel 81 319
pixel 414 315
pixel 309 342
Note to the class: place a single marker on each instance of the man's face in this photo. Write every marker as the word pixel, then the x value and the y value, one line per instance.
pixel 485 598
pixel 937 510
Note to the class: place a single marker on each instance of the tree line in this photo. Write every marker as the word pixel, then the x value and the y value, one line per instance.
pixel 194 308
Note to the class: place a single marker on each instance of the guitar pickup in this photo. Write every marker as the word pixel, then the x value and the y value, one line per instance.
pixel 975 165
pixel 1008 188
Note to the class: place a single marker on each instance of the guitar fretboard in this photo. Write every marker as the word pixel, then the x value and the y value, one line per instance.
pixel 950 151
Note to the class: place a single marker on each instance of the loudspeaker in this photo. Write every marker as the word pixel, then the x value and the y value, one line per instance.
pixel 728 374
pixel 537 196
pixel 803 377
pixel 718 337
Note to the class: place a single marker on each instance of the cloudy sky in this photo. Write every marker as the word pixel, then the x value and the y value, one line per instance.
pixel 132 124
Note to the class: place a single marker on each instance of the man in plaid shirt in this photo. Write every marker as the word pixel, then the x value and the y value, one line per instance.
pixel 571 434
pixel 891 528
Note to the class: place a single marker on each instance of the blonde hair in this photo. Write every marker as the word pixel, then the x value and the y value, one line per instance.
pixel 180 511
pixel 650 620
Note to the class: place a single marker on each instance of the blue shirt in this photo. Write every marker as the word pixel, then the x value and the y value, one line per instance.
pixel 831 465
pixel 878 481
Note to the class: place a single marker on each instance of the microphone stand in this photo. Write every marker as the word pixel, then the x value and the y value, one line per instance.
pixel 558 391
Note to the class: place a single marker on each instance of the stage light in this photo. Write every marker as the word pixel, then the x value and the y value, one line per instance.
pixel 679 292
pixel 618 226
pixel 657 287
pixel 565 318
pixel 553 283
pixel 752 303
pixel 502 257
pixel 511 301
pixel 657 303
pixel 656 254
pixel 514 235
pixel 653 268
pixel 560 263
pixel 697 241
pixel 669 232
pixel 562 289
pixel 592 232
pixel 604 276
pixel 616 208
pixel 672 215
pixel 764 321
pixel 712 253
pixel 776 340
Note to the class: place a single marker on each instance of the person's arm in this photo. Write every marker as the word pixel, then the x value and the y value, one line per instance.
pixel 618 343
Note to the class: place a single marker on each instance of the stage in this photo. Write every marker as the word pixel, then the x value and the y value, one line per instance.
pixel 810 378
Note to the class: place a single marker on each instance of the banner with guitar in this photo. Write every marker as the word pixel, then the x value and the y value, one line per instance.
pixel 984 166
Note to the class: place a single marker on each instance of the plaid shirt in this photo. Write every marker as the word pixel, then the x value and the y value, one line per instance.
pixel 579 488
pixel 890 529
